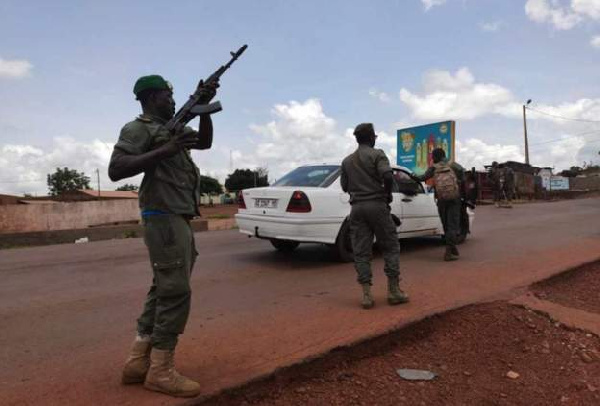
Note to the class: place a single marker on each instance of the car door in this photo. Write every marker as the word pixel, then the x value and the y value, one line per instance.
pixel 417 207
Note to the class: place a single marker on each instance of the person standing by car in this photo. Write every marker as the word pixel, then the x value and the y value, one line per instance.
pixel 449 191
pixel 169 197
pixel 367 176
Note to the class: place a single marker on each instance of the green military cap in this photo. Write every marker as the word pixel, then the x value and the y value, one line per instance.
pixel 364 129
pixel 151 82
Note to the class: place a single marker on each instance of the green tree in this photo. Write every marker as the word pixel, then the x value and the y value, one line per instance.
pixel 127 187
pixel 210 186
pixel 66 179
pixel 247 178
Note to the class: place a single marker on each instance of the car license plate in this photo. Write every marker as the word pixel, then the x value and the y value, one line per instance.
pixel 265 203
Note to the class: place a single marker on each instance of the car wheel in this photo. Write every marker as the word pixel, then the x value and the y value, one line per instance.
pixel 284 245
pixel 343 244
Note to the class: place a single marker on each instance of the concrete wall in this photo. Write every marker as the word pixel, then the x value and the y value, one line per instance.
pixel 92 234
pixel 64 216
pixel 587 183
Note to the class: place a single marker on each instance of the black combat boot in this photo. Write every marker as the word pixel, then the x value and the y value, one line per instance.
pixel 449 255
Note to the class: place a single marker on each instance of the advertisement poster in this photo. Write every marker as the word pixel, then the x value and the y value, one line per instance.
pixel 416 143
pixel 558 183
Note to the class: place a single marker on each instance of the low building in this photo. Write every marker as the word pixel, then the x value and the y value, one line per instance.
pixel 9 199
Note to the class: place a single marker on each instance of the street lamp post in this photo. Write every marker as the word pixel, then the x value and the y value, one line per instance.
pixel 525 131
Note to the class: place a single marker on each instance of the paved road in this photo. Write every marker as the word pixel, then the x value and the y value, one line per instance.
pixel 67 312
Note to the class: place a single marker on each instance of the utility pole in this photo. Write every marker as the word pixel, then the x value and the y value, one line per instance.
pixel 525 131
pixel 98 175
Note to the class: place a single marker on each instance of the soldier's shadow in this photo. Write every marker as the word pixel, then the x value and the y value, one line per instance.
pixel 317 256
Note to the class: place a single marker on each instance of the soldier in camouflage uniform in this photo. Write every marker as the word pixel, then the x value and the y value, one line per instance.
pixel 169 197
pixel 367 177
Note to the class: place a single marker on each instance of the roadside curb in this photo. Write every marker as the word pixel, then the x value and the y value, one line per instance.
pixel 514 296
pixel 570 317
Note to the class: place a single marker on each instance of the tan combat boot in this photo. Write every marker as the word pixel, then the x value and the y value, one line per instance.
pixel 162 376
pixel 367 300
pixel 395 294
pixel 138 362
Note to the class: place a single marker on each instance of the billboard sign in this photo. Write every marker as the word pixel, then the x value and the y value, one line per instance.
pixel 415 144
pixel 559 183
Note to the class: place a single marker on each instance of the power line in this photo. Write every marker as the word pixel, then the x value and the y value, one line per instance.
pixel 587 143
pixel 583 134
pixel 562 117
pixel 23 181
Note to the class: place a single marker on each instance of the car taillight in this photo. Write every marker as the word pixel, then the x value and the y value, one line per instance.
pixel 241 202
pixel 299 203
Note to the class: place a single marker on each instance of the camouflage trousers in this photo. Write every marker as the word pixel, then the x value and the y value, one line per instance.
pixel 170 242
pixel 368 219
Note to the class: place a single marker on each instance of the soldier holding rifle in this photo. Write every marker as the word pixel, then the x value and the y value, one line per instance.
pixel 158 143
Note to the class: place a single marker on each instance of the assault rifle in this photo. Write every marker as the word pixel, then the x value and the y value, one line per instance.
pixel 194 107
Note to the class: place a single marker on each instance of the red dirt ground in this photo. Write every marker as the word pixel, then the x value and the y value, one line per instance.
pixel 577 289
pixel 471 350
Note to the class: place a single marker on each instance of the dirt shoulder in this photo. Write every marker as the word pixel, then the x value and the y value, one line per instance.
pixel 578 289
pixel 472 351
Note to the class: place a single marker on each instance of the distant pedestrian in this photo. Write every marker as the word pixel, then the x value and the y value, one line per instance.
pixel 508 186
pixel 449 192
pixel 367 177
pixel 496 178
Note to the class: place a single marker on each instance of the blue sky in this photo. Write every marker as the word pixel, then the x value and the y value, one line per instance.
pixel 313 70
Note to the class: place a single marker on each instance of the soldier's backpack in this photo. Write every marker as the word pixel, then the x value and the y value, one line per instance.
pixel 446 182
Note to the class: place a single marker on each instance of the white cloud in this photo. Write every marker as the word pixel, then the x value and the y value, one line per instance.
pixel 490 26
pixel 589 8
pixel 595 41
pixel 474 152
pixel 24 168
pixel 428 4
pixel 563 154
pixel 457 96
pixel 300 133
pixel 14 69
pixel 381 96
pixel 582 109
pixel 562 16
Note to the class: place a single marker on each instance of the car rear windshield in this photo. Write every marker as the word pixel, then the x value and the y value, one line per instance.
pixel 317 176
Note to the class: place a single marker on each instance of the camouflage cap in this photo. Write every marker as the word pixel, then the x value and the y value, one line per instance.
pixel 364 129
pixel 151 82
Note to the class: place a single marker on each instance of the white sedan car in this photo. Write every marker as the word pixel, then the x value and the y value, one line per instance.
pixel 308 206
